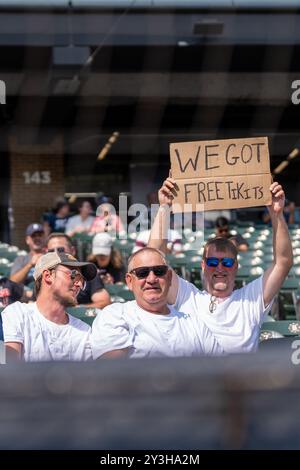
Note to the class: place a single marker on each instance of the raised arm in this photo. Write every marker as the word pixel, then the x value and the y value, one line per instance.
pixel 159 231
pixel 282 247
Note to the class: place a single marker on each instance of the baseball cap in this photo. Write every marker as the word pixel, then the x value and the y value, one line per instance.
pixel 32 228
pixel 52 259
pixel 102 243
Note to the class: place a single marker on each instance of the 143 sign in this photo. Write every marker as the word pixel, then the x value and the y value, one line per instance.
pixel 37 177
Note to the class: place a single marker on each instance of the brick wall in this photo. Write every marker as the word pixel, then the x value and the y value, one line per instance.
pixel 37 179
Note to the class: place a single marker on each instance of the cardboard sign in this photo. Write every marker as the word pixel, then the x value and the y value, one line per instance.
pixel 221 174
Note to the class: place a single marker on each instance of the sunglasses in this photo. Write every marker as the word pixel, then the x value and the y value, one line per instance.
pixel 59 249
pixel 75 276
pixel 214 262
pixel 144 271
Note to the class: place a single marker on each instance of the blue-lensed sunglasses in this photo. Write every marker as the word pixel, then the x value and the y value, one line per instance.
pixel 213 262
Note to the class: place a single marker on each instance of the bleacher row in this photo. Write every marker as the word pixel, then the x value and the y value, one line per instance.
pixel 284 320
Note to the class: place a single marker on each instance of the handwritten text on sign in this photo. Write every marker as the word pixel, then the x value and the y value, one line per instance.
pixel 221 174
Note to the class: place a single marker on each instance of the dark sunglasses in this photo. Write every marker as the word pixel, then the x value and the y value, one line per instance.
pixel 214 262
pixel 59 249
pixel 144 271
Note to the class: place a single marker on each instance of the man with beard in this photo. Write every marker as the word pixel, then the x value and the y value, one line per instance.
pixel 94 295
pixel 43 330
pixel 232 316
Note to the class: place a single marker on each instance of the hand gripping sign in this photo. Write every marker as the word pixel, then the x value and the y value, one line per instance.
pixel 221 174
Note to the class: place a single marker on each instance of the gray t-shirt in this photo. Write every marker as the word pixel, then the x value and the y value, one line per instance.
pixel 77 222
pixel 19 263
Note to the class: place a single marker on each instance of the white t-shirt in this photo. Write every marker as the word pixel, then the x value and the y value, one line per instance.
pixel 126 325
pixel 76 221
pixel 42 339
pixel 235 323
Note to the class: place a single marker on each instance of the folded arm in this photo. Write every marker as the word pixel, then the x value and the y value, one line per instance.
pixel 115 354
pixel 13 351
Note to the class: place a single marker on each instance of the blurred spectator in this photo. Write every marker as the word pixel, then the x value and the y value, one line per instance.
pixel 107 220
pixel 222 230
pixel 23 266
pixel 9 291
pixel 82 222
pixel 174 244
pixel 56 220
pixel 288 212
pixel 94 293
pixel 107 259
pixel 211 216
pixel 103 199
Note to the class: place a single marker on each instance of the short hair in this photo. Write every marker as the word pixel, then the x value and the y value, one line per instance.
pixel 59 204
pixel 142 250
pixel 221 222
pixel 222 244
pixel 37 287
pixel 60 235
pixel 83 201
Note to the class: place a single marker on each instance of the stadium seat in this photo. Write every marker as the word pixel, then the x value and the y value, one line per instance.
pixel 83 313
pixel 119 290
pixel 283 327
pixel 4 270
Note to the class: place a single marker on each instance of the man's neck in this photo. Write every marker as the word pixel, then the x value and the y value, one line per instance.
pixel 220 296
pixel 158 309
pixel 52 310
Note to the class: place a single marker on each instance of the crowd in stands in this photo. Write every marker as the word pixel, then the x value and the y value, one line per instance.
pixel 169 315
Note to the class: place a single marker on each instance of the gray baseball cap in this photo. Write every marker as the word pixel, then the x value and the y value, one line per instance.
pixel 52 259
pixel 33 228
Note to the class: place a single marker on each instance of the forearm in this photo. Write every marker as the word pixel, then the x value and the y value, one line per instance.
pixel 99 299
pixel 159 231
pixel 13 352
pixel 282 247
pixel 97 304
pixel 115 354
pixel 20 276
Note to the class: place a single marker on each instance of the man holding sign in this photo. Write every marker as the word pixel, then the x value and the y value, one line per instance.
pixel 232 316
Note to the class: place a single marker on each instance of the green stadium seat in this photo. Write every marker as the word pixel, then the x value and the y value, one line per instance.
pixel 283 327
pixel 4 270
pixel 83 244
pixel 290 284
pixel 83 313
pixel 119 291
